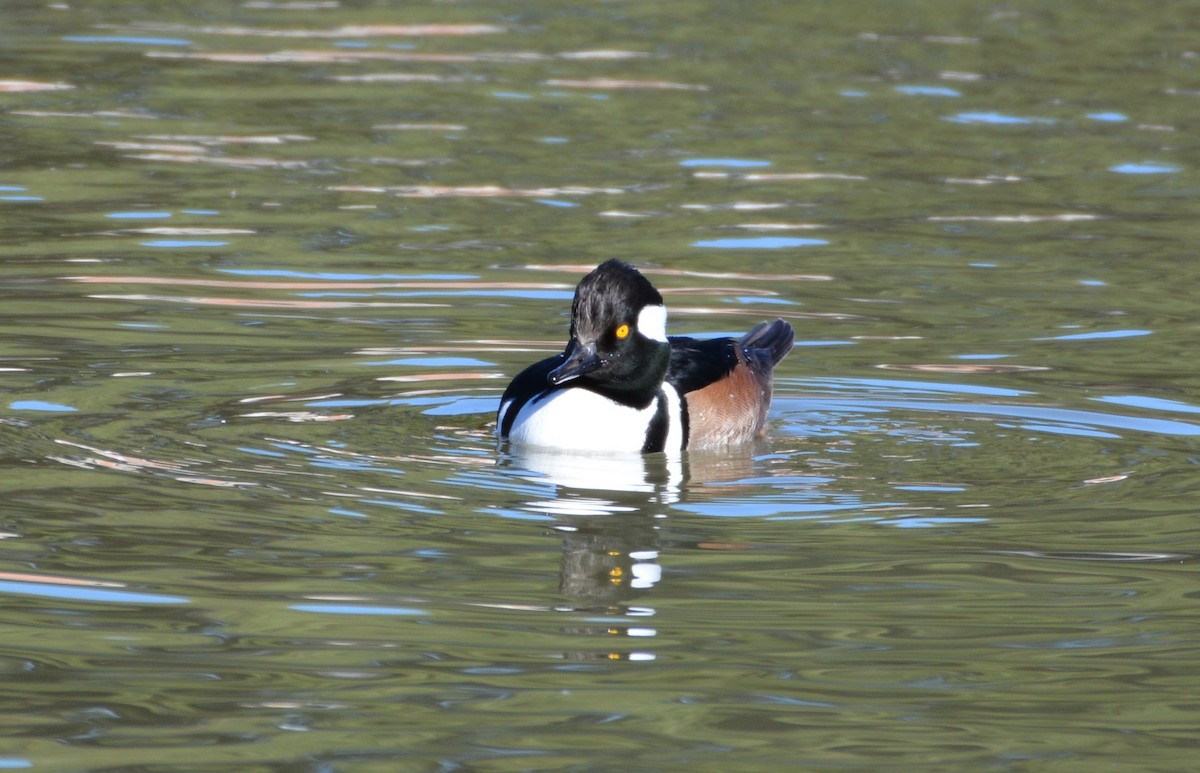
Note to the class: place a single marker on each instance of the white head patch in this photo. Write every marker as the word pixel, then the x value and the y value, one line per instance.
pixel 652 322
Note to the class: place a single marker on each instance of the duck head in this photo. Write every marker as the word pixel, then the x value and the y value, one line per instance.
pixel 618 344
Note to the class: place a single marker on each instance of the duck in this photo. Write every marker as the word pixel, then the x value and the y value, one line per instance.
pixel 622 385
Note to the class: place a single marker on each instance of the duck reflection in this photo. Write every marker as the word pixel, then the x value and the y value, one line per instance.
pixel 610 511
pixel 593 484
pixel 606 561
pixel 660 475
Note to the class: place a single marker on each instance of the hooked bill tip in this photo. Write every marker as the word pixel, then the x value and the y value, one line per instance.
pixel 577 361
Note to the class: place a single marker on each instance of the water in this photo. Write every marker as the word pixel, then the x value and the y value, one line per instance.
pixel 266 268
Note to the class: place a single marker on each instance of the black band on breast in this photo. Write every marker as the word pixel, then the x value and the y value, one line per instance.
pixel 656 431
pixel 683 420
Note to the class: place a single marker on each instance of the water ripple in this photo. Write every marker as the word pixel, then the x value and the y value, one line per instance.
pixel 75 593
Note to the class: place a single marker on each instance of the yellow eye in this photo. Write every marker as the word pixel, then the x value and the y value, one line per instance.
pixel 623 332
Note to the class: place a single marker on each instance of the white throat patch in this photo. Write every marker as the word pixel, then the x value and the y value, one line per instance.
pixel 652 322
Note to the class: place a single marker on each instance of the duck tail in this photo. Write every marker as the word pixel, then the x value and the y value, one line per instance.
pixel 770 341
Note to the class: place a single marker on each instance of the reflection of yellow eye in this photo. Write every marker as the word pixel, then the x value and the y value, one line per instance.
pixel 623 332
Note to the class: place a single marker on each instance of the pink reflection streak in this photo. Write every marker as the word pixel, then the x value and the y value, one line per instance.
pixel 583 268
pixel 47 579
pixel 474 191
pixel 115 460
pixel 251 303
pixel 304 56
pixel 424 377
pixel 10 87
pixel 617 83
pixel 346 31
pixel 322 56
pixel 260 285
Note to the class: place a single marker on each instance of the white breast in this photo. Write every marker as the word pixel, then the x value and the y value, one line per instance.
pixel 581 420
pixel 675 437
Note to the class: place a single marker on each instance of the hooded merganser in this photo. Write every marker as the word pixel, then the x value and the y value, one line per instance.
pixel 621 385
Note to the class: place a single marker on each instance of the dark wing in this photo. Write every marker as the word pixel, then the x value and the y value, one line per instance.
pixel 528 384
pixel 767 344
pixel 695 364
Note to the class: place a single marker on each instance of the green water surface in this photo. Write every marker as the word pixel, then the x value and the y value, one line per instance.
pixel 265 268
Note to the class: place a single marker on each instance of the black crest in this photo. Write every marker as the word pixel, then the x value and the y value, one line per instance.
pixel 615 291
